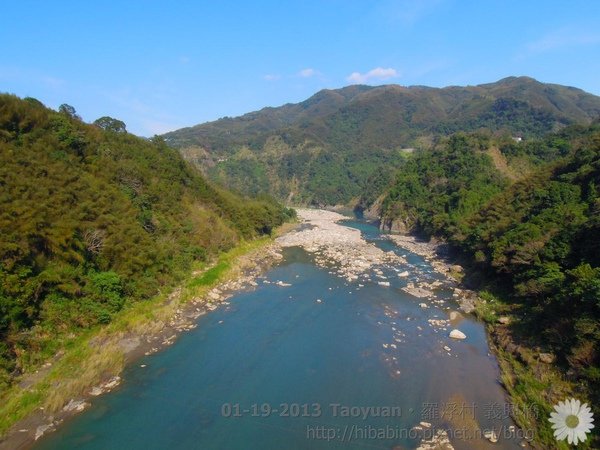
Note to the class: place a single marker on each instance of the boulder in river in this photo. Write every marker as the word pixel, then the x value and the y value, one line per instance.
pixel 491 436
pixel 455 315
pixel 457 334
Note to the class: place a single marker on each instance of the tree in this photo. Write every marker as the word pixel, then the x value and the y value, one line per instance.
pixel 109 124
pixel 68 110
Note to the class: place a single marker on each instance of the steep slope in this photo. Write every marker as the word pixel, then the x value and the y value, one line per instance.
pixel 325 149
pixel 533 243
pixel 93 220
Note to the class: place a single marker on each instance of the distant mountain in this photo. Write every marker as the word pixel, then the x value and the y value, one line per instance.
pixel 325 149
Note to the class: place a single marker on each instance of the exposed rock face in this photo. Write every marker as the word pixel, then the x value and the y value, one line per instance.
pixel 395 225
pixel 373 212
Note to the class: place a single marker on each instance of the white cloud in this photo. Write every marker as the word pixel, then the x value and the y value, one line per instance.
pixel 271 77
pixel 307 73
pixel 379 73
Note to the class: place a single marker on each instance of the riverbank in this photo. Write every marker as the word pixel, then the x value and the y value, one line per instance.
pixel 91 364
pixel 531 380
pixel 530 375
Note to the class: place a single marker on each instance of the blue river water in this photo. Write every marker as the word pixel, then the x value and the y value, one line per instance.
pixel 306 366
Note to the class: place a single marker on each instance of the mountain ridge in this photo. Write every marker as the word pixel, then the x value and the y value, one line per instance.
pixel 323 150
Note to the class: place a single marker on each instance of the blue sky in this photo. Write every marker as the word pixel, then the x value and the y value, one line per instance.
pixel 159 66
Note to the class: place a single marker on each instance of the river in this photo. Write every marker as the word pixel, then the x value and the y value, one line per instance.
pixel 315 361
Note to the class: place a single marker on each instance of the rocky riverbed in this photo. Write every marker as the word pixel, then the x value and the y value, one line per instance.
pixel 432 253
pixel 340 248
pixel 344 251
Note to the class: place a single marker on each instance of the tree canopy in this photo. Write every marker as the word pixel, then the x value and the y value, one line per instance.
pixel 109 124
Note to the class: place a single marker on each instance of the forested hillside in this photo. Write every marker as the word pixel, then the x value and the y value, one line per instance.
pixel 533 242
pixel 93 219
pixel 327 149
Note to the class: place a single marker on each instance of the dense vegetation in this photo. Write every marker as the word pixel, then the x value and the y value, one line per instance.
pixel 435 189
pixel 93 219
pixel 328 149
pixel 533 242
pixel 540 239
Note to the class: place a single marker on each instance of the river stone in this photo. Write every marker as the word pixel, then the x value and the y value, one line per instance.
pixel 457 334
pixel 455 315
pixel 504 320
pixel 491 436
pixel 42 429
pixel 96 391
pixel 75 405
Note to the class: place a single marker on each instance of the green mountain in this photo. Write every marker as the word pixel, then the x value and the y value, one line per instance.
pixel 329 148
pixel 93 219
pixel 532 241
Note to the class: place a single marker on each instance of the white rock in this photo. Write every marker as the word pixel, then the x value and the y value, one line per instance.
pixel 491 436
pixel 96 391
pixel 383 283
pixel 75 405
pixel 403 274
pixel 457 334
pixel 39 432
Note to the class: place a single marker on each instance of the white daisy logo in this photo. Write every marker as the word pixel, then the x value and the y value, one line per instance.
pixel 572 421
